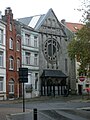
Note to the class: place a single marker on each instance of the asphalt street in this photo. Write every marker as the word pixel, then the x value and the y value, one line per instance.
pixel 47 109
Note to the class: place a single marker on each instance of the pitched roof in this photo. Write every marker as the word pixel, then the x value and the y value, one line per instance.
pixel 31 21
pixel 53 73
pixel 74 27
pixel 37 20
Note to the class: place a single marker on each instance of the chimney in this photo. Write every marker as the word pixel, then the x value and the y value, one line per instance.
pixel 63 21
pixel 8 11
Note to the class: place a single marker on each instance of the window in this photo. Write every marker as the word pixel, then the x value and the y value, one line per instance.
pixel 36 59
pixel 11 43
pixel 51 49
pixel 49 21
pixel 10 27
pixel 27 39
pixel 11 63
pixel 65 65
pixel 27 56
pixel 36 80
pixel 1 83
pixel 18 46
pixel 53 23
pixel 1 59
pixel 1 36
pixel 11 86
pixel 35 41
pixel 87 85
pixel 18 64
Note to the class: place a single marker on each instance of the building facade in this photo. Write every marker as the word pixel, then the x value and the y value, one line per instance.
pixel 13 55
pixel 56 70
pixel 2 60
pixel 30 60
pixel 38 43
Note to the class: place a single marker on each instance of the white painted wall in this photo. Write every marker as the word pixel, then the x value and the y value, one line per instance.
pixel 32 68
pixel 3 68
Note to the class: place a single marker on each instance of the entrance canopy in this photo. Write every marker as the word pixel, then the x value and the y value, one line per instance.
pixel 53 74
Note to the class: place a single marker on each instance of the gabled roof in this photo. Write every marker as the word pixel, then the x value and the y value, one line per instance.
pixel 37 20
pixel 74 27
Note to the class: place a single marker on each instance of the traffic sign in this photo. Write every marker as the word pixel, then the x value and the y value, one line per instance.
pixel 81 78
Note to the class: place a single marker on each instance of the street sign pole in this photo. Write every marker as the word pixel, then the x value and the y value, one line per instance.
pixel 23 78
pixel 23 99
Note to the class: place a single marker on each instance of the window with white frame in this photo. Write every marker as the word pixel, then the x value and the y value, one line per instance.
pixel 1 83
pixel 18 46
pixel 35 41
pixel 11 63
pixel 18 64
pixel 27 57
pixel 35 59
pixel 27 39
pixel 1 59
pixel 10 43
pixel 11 86
pixel 10 27
pixel 1 36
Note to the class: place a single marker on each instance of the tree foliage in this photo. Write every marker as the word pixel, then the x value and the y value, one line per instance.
pixel 79 47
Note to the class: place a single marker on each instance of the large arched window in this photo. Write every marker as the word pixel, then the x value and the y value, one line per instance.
pixel 11 63
pixel 51 49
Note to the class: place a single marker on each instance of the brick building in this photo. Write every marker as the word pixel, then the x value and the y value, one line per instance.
pixel 13 55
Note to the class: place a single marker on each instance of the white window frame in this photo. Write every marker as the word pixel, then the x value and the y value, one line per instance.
pixel 27 39
pixel 1 36
pixel 27 57
pixel 18 64
pixel 1 84
pixel 1 59
pixel 10 27
pixel 11 63
pixel 18 46
pixel 11 86
pixel 36 59
pixel 10 43
pixel 35 41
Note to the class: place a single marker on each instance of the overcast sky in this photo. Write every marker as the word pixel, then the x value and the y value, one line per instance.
pixel 64 9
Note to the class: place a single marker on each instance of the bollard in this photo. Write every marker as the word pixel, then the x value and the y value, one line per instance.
pixel 35 114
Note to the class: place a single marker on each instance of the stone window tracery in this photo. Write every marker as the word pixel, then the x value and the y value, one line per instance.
pixel 51 49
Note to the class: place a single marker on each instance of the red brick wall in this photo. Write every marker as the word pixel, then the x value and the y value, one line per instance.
pixel 12 74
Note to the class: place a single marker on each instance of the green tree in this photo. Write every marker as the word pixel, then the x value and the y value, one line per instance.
pixel 79 47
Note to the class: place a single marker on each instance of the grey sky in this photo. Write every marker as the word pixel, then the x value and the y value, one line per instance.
pixel 64 9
